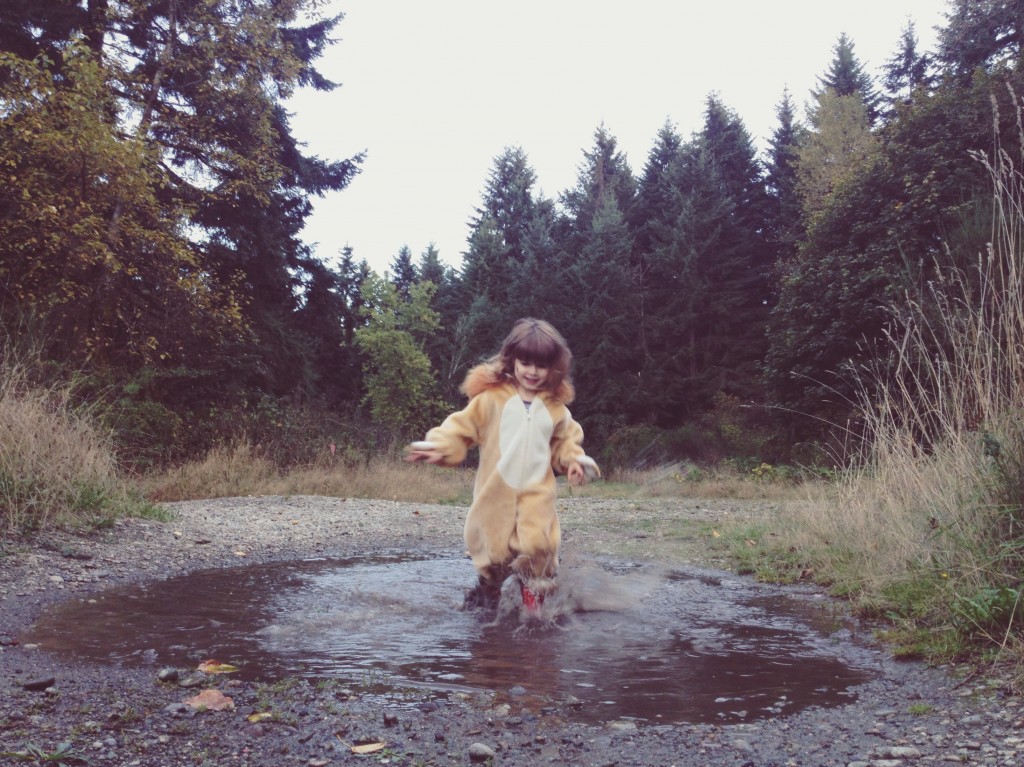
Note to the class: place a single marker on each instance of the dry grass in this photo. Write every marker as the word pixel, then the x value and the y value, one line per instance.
pixel 56 466
pixel 240 470
pixel 682 481
pixel 932 527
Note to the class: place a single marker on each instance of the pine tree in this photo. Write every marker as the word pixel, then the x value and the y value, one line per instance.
pixel 403 272
pixel 652 220
pixel 846 77
pixel 981 34
pixel 602 322
pixel 907 70
pixel 740 273
pixel 785 223
pixel 499 264
pixel 604 171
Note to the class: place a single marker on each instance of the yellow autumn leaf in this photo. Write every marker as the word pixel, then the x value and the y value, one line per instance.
pixel 716 533
pixel 368 748
pixel 216 667
pixel 210 700
pixel 260 717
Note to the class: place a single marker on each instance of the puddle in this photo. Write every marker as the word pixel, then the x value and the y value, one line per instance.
pixel 628 641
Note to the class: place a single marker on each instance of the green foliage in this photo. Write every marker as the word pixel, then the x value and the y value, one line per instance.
pixel 846 77
pixel 65 168
pixel 400 385
pixel 158 231
pixel 64 755
pixel 992 611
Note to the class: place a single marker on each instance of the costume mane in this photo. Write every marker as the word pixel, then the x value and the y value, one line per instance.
pixel 488 375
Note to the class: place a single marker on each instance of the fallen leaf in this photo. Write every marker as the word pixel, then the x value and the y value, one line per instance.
pixel 210 700
pixel 240 554
pixel 260 717
pixel 368 748
pixel 716 533
pixel 216 667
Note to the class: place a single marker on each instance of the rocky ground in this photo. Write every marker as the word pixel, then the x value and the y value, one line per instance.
pixel 54 710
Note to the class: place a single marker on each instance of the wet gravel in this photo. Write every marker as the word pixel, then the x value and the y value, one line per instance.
pixel 129 715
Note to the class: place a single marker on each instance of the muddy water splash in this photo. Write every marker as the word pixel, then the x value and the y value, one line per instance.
pixel 618 640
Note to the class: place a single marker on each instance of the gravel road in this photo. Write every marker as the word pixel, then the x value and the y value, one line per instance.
pixel 119 715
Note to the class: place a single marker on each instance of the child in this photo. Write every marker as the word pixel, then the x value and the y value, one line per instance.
pixel 517 414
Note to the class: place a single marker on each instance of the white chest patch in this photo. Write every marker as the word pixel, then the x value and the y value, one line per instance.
pixel 525 443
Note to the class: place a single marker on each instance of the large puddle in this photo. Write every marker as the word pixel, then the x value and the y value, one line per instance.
pixel 666 646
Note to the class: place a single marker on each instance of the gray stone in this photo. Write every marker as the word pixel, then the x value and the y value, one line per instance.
pixel 480 752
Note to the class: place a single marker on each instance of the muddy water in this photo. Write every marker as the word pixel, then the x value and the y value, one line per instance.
pixel 619 640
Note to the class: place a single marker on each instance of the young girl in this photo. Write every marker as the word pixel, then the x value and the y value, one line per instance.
pixel 517 414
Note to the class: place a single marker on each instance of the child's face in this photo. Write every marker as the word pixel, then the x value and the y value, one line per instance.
pixel 531 376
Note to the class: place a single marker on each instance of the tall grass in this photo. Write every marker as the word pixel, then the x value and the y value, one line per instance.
pixel 242 469
pixel 56 467
pixel 930 531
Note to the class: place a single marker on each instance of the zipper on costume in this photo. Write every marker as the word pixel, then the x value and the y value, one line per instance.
pixel 526 443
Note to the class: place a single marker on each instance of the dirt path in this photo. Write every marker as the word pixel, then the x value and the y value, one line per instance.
pixel 119 715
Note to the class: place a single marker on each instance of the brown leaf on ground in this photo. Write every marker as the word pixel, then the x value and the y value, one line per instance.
pixel 216 667
pixel 210 700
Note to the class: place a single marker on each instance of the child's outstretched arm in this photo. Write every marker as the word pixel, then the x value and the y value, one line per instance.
pixel 447 444
pixel 428 452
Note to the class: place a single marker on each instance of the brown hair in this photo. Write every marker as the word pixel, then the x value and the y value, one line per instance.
pixel 536 341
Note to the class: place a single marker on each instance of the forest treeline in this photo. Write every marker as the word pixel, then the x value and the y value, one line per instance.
pixel 720 301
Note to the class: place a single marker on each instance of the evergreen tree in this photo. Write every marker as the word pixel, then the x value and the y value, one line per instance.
pixel 907 70
pixel 846 77
pixel 195 86
pixel 785 223
pixel 603 322
pixel 604 171
pixel 740 273
pixel 29 28
pixel 653 221
pixel 980 34
pixel 680 311
pixel 325 320
pixel 498 267
pixel 443 347
pixel 403 272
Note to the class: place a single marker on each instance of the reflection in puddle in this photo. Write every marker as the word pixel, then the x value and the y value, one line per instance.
pixel 678 646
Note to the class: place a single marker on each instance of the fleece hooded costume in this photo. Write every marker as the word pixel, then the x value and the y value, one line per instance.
pixel 512 524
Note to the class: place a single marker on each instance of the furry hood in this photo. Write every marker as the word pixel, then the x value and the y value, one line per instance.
pixel 488 375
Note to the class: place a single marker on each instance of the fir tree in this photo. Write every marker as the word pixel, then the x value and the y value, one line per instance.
pixel 785 226
pixel 846 77
pixel 907 70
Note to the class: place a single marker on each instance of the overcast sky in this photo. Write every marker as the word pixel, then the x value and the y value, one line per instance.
pixel 435 91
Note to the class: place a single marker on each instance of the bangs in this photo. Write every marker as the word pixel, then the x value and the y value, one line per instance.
pixel 537 349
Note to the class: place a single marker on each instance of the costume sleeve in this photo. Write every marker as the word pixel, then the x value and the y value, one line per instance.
pixel 459 432
pixel 566 444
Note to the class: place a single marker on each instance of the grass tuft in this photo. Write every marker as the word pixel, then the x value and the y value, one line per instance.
pixel 56 467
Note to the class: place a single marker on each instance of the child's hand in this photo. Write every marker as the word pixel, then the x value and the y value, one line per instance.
pixel 429 452
pixel 576 475
pixel 582 470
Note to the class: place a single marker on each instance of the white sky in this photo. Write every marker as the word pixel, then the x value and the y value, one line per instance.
pixel 435 91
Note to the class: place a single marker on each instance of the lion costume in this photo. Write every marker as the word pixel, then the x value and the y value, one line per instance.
pixel 512 525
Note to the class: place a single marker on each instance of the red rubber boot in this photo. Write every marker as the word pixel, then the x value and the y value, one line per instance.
pixel 531 601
